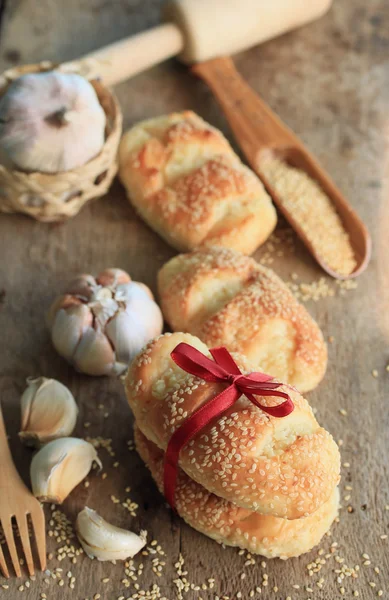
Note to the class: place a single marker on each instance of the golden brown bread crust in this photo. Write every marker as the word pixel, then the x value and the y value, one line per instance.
pixel 186 182
pixel 228 524
pixel 286 467
pixel 228 299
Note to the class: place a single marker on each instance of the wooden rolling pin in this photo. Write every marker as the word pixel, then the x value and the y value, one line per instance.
pixel 198 30
pixel 202 33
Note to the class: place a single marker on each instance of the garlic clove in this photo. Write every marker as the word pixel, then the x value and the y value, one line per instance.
pixel 130 329
pixel 145 289
pixel 104 541
pixel 113 277
pixel 49 411
pixel 148 312
pixel 64 301
pixel 68 327
pixel 124 291
pixel 82 286
pixel 59 467
pixel 94 354
pixel 126 335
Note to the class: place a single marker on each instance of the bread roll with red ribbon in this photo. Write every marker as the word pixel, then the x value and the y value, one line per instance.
pixel 187 183
pixel 286 467
pixel 228 299
pixel 228 524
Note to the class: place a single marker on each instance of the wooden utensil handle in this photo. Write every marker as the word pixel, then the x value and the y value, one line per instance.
pixel 255 125
pixel 258 131
pixel 123 59
pixel 7 467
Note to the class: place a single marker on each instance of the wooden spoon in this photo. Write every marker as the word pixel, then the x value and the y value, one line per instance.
pixel 259 131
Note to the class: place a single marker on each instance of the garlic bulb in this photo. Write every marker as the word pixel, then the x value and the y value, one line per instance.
pixel 51 122
pixel 100 324
pixel 104 541
pixel 49 411
pixel 59 466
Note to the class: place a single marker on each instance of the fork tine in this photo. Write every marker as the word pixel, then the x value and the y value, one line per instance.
pixel 3 564
pixel 38 521
pixel 25 539
pixel 9 538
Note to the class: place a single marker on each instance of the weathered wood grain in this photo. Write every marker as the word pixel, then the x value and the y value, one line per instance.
pixel 330 83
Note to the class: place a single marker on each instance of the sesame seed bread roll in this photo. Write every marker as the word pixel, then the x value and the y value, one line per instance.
pixel 228 524
pixel 227 299
pixel 186 182
pixel 286 467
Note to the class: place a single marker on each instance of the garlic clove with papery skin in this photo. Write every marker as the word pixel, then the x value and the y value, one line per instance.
pixel 69 326
pixel 130 329
pixel 113 277
pixel 51 122
pixel 82 286
pixel 94 354
pixel 59 467
pixel 65 301
pixel 49 411
pixel 104 541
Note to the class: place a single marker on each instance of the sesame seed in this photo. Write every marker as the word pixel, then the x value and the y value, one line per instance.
pixel 298 193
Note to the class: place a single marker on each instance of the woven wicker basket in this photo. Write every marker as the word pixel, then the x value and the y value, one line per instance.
pixel 55 197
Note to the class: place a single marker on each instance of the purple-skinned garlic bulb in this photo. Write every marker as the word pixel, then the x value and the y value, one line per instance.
pixel 99 324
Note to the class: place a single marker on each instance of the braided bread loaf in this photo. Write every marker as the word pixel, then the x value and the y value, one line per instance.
pixel 228 299
pixel 186 182
pixel 286 467
pixel 228 524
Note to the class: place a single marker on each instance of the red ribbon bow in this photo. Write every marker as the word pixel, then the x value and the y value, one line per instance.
pixel 223 369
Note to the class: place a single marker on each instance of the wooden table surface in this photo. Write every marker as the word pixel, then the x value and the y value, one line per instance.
pixel 330 83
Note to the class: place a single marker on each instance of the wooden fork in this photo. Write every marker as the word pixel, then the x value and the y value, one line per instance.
pixel 16 501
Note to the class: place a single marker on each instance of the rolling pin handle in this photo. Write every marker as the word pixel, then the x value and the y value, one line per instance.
pixel 119 61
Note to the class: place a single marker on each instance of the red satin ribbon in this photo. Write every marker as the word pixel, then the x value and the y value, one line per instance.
pixel 222 369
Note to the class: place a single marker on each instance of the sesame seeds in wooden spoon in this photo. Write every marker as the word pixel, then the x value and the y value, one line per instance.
pixel 300 188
